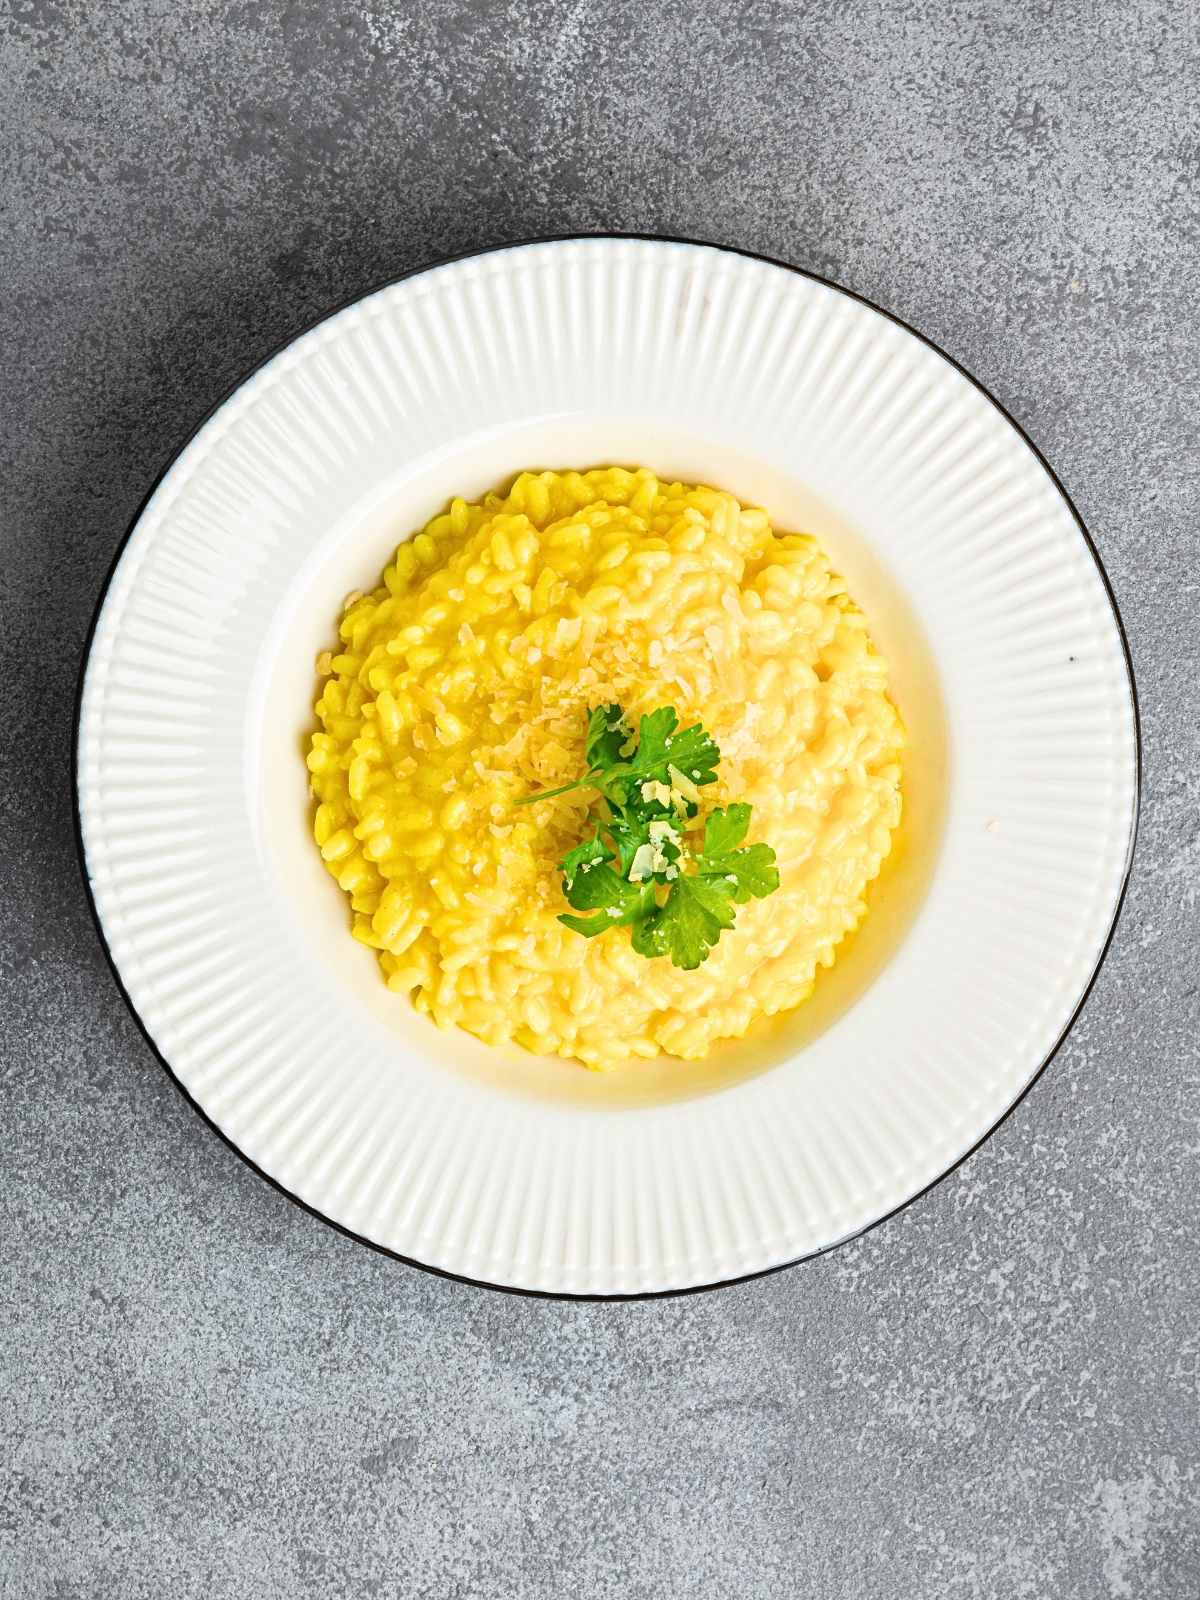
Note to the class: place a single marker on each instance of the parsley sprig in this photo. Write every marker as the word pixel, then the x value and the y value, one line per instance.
pixel 634 871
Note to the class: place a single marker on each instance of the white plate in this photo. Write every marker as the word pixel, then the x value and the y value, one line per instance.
pixel 231 940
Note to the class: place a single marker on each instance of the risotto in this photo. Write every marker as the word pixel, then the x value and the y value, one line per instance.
pixel 465 683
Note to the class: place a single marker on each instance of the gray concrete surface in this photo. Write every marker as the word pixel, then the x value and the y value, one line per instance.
pixel 204 1391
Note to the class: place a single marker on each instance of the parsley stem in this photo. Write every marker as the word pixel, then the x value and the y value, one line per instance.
pixel 548 794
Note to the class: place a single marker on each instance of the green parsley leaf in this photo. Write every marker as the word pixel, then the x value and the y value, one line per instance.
pixel 654 733
pixel 725 830
pixel 691 750
pixel 596 887
pixel 752 873
pixel 628 832
pixel 607 732
pixel 582 857
pixel 739 874
pixel 688 925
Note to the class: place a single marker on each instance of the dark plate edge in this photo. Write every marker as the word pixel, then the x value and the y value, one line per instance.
pixel 77 821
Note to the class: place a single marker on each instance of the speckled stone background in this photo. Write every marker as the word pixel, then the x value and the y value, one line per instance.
pixel 206 1392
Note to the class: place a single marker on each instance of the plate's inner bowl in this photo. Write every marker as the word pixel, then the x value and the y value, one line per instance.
pixel 351 556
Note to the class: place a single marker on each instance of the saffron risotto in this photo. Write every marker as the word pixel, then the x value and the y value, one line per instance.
pixel 464 683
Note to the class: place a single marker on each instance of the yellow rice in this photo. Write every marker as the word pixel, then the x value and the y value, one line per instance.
pixel 464 683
